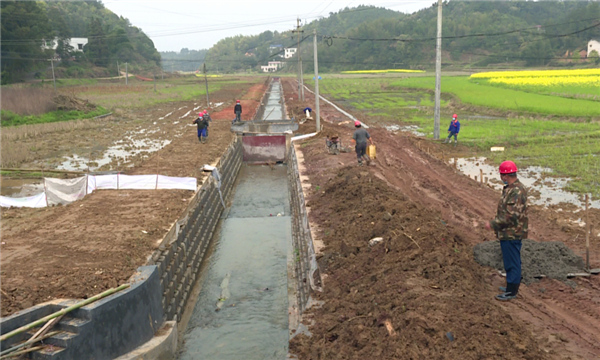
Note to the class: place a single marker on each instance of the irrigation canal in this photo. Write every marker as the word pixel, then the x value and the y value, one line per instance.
pixel 242 308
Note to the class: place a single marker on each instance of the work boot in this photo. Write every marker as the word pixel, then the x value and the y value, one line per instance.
pixel 368 159
pixel 360 163
pixel 511 292
pixel 455 143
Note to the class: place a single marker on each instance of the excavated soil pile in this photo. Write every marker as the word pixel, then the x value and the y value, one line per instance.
pixel 67 103
pixel 552 259
pixel 407 297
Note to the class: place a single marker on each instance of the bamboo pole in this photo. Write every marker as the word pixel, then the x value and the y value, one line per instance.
pixel 62 312
pixel 22 352
pixel 29 342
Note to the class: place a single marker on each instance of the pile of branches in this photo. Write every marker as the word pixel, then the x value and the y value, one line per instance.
pixel 68 103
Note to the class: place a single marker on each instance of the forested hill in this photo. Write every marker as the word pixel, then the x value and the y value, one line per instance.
pixel 476 34
pixel 111 39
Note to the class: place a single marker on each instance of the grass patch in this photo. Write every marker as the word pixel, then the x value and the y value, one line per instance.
pixel 9 118
pixel 569 148
pixel 482 94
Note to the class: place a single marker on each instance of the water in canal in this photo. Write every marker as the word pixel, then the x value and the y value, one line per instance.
pixel 242 309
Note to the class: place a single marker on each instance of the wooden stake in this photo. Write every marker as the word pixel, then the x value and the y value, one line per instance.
pixel 481 176
pixel 43 330
pixel 587 233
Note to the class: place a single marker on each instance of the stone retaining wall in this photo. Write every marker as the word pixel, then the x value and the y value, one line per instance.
pixel 179 257
pixel 306 271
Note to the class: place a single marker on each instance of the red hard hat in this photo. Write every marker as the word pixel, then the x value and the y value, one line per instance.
pixel 357 123
pixel 237 101
pixel 454 116
pixel 508 167
pixel 205 112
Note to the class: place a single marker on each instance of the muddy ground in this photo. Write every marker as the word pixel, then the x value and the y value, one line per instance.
pixel 79 250
pixel 423 277
pixel 418 294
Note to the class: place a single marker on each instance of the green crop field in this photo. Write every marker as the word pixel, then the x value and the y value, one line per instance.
pixel 556 132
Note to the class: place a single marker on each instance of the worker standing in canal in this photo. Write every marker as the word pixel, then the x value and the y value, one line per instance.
pixel 202 128
pixel 360 138
pixel 453 130
pixel 510 226
pixel 238 111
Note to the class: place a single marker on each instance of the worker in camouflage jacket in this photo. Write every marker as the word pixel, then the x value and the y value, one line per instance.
pixel 510 226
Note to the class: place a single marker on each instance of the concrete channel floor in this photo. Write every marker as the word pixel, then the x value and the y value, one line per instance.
pixel 246 277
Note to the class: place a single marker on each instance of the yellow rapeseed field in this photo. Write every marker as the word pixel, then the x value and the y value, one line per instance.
pixel 543 78
pixel 536 73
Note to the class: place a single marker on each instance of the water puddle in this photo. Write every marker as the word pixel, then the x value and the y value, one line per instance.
pixel 122 151
pixel 543 189
pixel 21 187
pixel 413 129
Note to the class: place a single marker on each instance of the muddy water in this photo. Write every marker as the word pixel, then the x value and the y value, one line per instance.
pixel 273 108
pixel 21 187
pixel 544 190
pixel 242 309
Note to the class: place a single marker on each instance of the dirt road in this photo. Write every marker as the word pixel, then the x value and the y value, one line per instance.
pixel 423 278
pixel 81 249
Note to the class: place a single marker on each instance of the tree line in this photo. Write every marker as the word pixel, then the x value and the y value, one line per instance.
pixel 30 28
pixel 475 34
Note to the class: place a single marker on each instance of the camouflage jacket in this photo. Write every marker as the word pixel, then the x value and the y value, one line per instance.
pixel 511 220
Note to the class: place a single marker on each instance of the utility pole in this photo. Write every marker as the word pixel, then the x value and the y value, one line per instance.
pixel 53 77
pixel 154 73
pixel 206 83
pixel 126 75
pixel 118 70
pixel 318 118
pixel 438 74
pixel 300 80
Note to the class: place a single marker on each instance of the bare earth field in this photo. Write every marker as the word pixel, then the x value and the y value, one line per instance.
pixel 81 249
pixel 417 294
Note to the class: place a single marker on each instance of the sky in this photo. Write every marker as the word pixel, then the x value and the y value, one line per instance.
pixel 199 24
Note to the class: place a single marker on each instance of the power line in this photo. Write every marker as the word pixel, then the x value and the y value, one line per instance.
pixel 472 35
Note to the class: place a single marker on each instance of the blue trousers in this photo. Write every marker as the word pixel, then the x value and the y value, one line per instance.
pixel 511 255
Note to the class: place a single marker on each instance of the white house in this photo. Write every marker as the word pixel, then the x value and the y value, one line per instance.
pixel 593 45
pixel 76 43
pixel 268 68
pixel 289 52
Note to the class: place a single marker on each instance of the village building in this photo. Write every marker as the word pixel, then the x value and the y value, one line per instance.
pixel 289 52
pixel 593 45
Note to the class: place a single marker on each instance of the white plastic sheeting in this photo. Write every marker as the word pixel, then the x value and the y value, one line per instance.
pixel 35 201
pixel 65 191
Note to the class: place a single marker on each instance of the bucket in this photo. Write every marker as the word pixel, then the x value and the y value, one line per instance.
pixel 371 151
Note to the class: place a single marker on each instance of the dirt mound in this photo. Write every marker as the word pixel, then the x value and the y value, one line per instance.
pixel 68 103
pixel 552 259
pixel 426 286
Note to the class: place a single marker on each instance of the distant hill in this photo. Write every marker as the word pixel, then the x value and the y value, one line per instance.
pixel 476 34
pixel 111 39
